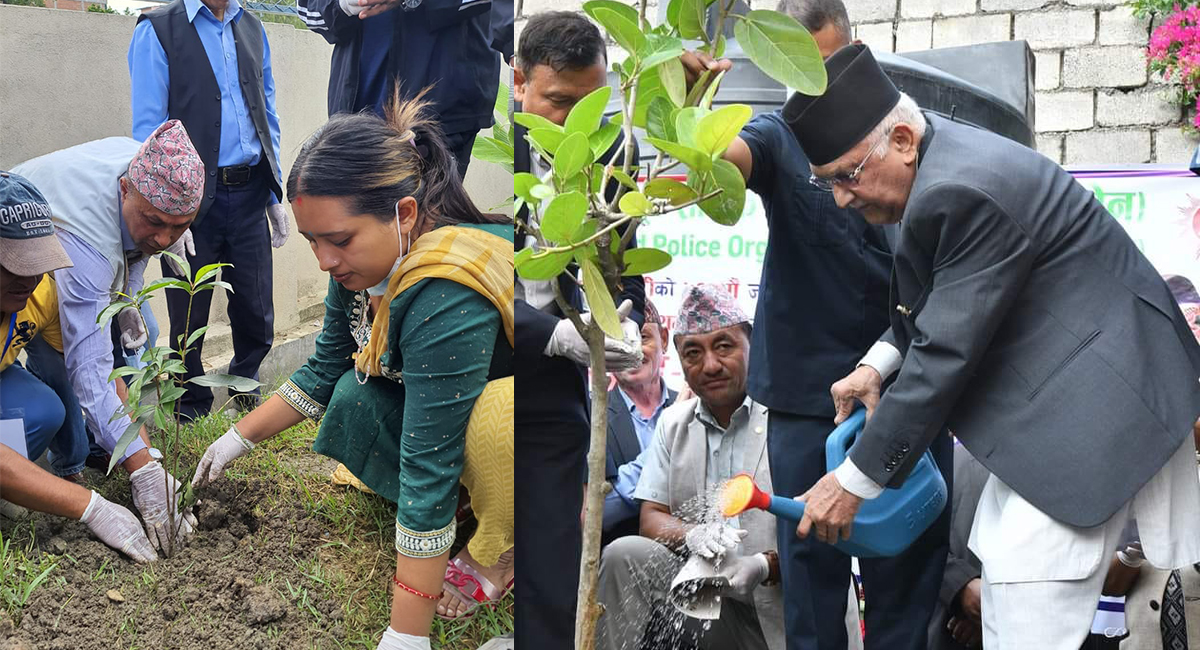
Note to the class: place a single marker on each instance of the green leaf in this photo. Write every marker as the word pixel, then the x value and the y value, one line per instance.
pixel 522 183
pixel 698 88
pixel 546 267
pixel 603 139
pixel 233 382
pixel 783 49
pixel 585 230
pixel 113 309
pixel 660 48
pixel 187 268
pixel 600 302
pixel 693 158
pixel 548 140
pixel 172 393
pixel 123 371
pixel 625 32
pixel 123 443
pixel 672 190
pixel 624 179
pixel 659 123
pixel 503 94
pixel 719 48
pixel 533 121
pixel 174 366
pixel 620 8
pixel 572 154
pixel 711 92
pixel 673 13
pixel 563 216
pixel 586 253
pixel 686 121
pixel 585 115
pixel 673 80
pixel 160 419
pixel 169 283
pixel 717 129
pixel 649 86
pixel 726 207
pixel 195 335
pixel 493 151
pixel 209 271
pixel 692 16
pixel 636 204
pixel 541 192
pixel 640 261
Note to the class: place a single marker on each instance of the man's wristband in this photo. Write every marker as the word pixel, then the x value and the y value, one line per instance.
pixel 772 569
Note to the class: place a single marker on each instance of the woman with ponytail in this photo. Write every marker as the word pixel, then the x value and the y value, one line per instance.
pixel 412 374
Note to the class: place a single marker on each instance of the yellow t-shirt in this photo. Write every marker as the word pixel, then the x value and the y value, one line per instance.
pixel 40 317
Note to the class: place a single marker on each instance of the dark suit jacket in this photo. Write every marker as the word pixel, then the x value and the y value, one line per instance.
pixel 556 386
pixel 1033 327
pixel 623 447
pixel 961 564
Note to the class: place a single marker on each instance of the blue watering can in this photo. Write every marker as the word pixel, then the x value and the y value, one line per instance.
pixel 884 526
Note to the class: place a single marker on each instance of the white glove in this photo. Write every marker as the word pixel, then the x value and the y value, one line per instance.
pixel 184 247
pixel 711 540
pixel 351 7
pixel 567 342
pixel 118 528
pixel 151 496
pixel 393 640
pixel 219 454
pixel 745 573
pixel 277 216
pixel 133 334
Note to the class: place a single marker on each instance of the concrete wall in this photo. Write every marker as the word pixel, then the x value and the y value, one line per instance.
pixel 1096 101
pixel 64 80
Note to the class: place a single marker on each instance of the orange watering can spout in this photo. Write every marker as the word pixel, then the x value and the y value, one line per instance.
pixel 740 494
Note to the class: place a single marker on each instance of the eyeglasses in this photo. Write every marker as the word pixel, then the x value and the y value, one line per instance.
pixel 847 180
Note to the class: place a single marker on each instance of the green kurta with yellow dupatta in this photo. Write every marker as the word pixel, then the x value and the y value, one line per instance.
pixel 402 431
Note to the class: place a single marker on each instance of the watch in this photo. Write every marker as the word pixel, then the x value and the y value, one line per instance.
pixel 154 453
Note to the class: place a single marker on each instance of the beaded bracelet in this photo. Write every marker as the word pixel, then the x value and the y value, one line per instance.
pixel 414 591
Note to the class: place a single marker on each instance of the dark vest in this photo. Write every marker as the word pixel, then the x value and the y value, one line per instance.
pixel 194 97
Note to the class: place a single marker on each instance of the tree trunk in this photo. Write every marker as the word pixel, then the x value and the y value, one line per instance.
pixel 587 610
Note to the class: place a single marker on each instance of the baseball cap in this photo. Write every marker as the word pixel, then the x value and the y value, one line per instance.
pixel 29 245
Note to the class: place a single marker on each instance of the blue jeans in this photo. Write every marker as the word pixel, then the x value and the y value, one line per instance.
pixel 68 449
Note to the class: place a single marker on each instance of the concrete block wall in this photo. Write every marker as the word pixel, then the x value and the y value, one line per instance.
pixel 64 80
pixel 1096 102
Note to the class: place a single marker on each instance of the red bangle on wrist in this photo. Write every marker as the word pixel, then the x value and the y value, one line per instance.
pixel 414 591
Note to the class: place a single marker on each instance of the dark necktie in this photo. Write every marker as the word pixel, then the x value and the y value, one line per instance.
pixel 1173 621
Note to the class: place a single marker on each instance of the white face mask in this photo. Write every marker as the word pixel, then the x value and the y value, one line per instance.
pixel 381 288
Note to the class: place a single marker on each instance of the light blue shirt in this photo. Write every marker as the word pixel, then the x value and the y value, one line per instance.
pixel 83 292
pixel 149 83
pixel 619 504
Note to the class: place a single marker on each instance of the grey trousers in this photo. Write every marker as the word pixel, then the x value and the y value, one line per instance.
pixel 635 575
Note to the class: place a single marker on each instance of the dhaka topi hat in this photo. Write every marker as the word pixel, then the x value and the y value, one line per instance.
pixel 858 96
pixel 26 230
pixel 707 308
pixel 168 171
pixel 651 313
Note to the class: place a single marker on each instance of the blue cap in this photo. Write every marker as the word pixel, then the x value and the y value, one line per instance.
pixel 30 247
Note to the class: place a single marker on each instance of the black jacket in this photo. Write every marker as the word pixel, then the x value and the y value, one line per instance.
pixel 441 42
pixel 623 447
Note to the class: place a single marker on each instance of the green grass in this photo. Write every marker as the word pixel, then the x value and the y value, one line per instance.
pixel 349 567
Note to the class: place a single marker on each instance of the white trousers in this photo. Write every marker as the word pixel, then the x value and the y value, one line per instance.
pixel 1042 578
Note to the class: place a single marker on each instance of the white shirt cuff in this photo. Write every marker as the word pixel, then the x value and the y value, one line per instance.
pixel 883 357
pixel 855 482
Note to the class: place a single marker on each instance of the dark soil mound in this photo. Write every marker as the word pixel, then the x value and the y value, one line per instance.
pixel 240 583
